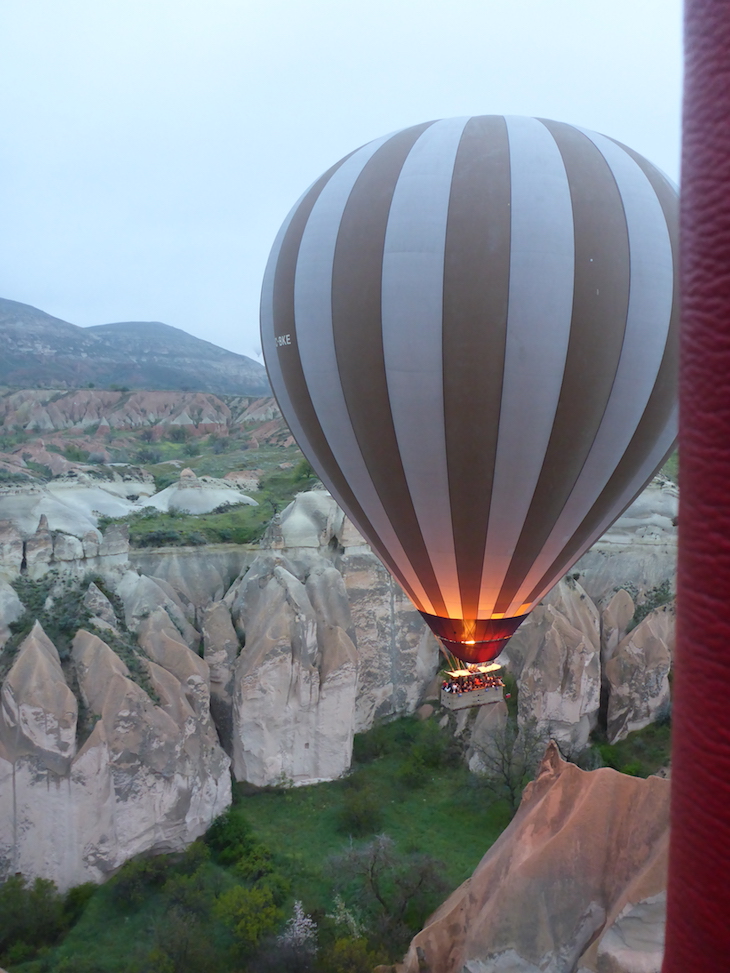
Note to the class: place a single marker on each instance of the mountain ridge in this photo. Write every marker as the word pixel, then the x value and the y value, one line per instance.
pixel 42 350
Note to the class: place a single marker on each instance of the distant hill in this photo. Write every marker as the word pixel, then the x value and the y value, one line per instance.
pixel 38 349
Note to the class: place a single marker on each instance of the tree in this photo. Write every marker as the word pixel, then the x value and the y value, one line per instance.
pixel 509 756
pixel 249 913
pixel 397 890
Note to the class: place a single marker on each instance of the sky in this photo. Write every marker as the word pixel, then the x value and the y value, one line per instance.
pixel 150 149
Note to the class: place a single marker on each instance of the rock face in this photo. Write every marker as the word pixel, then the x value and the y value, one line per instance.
pixel 575 884
pixel 556 656
pixel 295 680
pixel 197 495
pixel 338 641
pixel 639 552
pixel 11 608
pixel 150 776
pixel 638 675
pixel 221 648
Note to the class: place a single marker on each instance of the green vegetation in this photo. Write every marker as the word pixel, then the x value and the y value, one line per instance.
pixel 661 595
pixel 641 753
pixel 57 603
pixel 228 524
pixel 283 854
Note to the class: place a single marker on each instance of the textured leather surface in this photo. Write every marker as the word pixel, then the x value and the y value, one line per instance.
pixel 698 926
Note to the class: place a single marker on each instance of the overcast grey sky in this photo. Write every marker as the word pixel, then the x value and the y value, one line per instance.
pixel 151 148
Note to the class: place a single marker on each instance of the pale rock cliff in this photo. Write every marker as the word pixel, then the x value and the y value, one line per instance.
pixel 638 674
pixel 220 650
pixel 615 620
pixel 639 552
pixel 295 683
pixel 575 884
pixel 11 609
pixel 556 657
pixel 316 592
pixel 141 595
pixel 38 711
pixel 148 777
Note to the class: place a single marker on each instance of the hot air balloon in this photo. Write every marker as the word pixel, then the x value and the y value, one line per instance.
pixel 470 327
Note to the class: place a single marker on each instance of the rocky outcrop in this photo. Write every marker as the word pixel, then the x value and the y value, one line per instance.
pixel 398 655
pixel 638 675
pixel 71 504
pixel 220 650
pixel 295 681
pixel 318 599
pixel 11 609
pixel 149 777
pixel 198 577
pixel 142 595
pixel 616 618
pixel 575 884
pixel 198 494
pixel 639 552
pixel 556 656
pixel 11 550
pixel 38 712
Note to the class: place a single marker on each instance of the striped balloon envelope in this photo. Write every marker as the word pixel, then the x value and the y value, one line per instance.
pixel 470 327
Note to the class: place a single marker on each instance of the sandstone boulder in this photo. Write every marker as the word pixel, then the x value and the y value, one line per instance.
pixel 310 521
pixel 66 547
pixel 163 644
pixel 573 885
pixel 638 674
pixel 198 577
pixel 196 495
pixel 397 656
pixel 397 653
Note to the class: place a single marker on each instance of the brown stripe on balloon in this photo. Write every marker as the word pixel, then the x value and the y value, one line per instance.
pixel 658 408
pixel 357 330
pixel 598 324
pixel 293 374
pixel 475 299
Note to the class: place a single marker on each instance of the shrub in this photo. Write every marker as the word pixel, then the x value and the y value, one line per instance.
pixel 361 812
pixel 249 914
pixel 31 916
pixel 230 838
pixel 136 877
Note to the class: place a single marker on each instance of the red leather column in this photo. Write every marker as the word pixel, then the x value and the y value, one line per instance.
pixel 698 921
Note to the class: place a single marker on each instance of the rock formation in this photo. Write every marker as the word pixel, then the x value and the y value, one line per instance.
pixel 197 494
pixel 295 682
pixel 556 656
pixel 638 675
pixel 575 884
pixel 639 552
pixel 317 600
pixel 150 776
pixel 11 608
